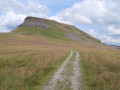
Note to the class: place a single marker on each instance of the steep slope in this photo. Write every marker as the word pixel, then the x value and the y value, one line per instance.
pixel 53 29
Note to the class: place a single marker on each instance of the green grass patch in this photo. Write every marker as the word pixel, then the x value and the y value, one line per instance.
pixel 111 67
pixel 51 32
pixel 27 30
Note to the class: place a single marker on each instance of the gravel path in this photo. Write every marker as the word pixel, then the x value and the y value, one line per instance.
pixel 67 77
pixel 75 78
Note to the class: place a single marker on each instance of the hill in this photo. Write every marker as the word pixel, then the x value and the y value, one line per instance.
pixel 40 48
pixel 53 29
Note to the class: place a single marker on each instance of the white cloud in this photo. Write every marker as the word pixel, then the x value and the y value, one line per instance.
pixel 35 9
pixel 97 12
pixel 14 13
pixel 10 20
pixel 105 38
pixel 92 32
pixel 109 39
pixel 113 31
pixel 84 12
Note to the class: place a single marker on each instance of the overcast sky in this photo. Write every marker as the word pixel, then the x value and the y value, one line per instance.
pixel 99 18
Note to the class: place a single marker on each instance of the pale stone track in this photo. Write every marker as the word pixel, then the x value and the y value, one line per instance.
pixel 57 74
pixel 74 78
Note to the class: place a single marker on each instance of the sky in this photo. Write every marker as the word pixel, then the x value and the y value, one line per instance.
pixel 99 18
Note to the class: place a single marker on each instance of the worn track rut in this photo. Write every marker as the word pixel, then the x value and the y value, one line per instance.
pixel 67 77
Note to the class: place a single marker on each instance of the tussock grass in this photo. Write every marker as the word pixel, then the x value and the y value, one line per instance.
pixel 27 65
pixel 27 71
pixel 27 61
pixel 100 69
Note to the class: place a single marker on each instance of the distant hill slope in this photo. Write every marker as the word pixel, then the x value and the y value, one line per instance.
pixel 53 29
pixel 115 46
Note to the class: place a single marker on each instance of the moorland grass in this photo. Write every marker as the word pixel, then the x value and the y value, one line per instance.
pixel 100 69
pixel 29 71
pixel 27 65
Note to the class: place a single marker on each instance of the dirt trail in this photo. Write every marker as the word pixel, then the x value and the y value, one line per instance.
pixel 67 76
pixel 75 78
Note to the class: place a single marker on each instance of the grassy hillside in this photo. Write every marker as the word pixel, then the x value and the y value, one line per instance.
pixel 28 61
pixel 53 29
pixel 26 65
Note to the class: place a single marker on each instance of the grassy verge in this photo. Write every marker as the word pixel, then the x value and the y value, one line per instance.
pixel 28 71
pixel 100 70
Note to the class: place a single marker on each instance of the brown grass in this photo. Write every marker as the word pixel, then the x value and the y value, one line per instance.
pixel 27 61
pixel 101 69
pixel 27 65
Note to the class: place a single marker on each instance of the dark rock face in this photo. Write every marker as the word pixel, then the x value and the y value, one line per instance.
pixel 20 26
pixel 33 18
pixel 36 24
pixel 29 18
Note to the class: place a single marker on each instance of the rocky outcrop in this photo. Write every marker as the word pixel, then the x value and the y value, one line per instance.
pixel 34 22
